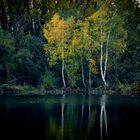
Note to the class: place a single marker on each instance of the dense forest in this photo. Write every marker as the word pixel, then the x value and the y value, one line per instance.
pixel 75 44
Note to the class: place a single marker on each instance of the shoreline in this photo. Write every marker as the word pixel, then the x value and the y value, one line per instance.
pixel 69 91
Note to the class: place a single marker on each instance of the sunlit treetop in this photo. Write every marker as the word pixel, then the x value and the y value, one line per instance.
pixel 56 29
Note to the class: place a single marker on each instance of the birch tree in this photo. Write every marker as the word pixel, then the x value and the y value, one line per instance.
pixel 85 42
pixel 86 50
pixel 57 33
pixel 108 28
pixel 81 50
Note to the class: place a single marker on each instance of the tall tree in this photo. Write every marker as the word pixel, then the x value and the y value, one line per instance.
pixel 108 27
pixel 57 33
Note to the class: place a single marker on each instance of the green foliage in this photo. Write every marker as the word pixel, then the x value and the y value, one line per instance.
pixel 48 80
pixel 72 67
pixel 72 34
pixel 6 39
pixel 28 58
pixel 29 89
pixel 57 33
pixel 6 54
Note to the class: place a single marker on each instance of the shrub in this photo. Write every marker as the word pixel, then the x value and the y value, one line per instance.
pixel 48 80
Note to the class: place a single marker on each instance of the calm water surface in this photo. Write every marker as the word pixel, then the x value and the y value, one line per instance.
pixel 70 118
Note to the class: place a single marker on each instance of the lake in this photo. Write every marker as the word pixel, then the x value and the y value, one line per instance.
pixel 70 117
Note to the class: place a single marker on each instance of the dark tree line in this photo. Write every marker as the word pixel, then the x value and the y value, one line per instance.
pixel 22 55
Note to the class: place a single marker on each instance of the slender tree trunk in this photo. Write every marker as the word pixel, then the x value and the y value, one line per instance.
pixel 83 77
pixel 33 22
pixel 39 23
pixel 63 67
pixel 6 9
pixel 106 55
pixel 63 77
pixel 7 72
pixel 101 65
pixel 101 58
pixel 89 79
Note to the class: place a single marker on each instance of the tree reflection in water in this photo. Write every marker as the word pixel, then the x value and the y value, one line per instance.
pixel 71 121
pixel 103 115
pixel 71 118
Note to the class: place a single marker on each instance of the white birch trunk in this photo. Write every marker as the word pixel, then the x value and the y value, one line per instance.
pixel 63 67
pixel 101 65
pixel 101 57
pixel 83 77
pixel 106 55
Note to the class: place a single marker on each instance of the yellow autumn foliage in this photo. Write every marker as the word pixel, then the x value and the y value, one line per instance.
pixel 56 29
pixel 92 65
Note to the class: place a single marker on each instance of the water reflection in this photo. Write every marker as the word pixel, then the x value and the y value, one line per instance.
pixel 89 105
pixel 76 119
pixel 70 118
pixel 103 115
pixel 83 99
pixel 62 115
